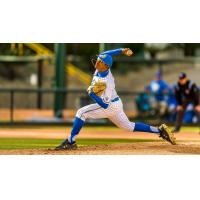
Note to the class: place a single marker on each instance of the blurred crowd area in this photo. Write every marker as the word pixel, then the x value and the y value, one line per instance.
pixel 159 100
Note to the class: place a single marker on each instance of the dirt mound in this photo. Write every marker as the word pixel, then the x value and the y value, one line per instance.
pixel 150 148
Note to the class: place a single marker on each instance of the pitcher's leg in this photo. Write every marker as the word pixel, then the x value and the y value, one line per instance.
pixel 77 125
pixel 122 121
pixel 93 111
pixel 142 127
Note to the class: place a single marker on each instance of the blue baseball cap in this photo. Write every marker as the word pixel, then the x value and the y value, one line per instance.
pixel 182 75
pixel 106 58
pixel 158 74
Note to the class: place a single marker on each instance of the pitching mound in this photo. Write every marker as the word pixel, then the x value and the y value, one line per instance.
pixel 151 148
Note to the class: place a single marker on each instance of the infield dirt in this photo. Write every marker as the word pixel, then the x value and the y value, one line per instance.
pixel 146 148
pixel 187 142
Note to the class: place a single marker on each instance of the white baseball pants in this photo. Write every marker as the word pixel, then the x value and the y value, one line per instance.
pixel 114 113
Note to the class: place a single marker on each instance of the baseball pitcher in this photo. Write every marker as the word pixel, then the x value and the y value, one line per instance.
pixel 108 104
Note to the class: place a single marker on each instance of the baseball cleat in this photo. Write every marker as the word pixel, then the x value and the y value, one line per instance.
pixel 66 145
pixel 166 134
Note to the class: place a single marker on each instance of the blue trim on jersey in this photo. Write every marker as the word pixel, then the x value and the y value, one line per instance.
pixel 115 99
pixel 98 100
pixel 102 74
pixel 77 125
pixel 141 127
pixel 113 52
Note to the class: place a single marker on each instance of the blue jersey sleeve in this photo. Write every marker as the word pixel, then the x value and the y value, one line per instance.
pixel 163 86
pixel 113 52
pixel 98 100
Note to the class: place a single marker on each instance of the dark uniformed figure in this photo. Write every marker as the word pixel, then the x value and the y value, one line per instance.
pixel 186 93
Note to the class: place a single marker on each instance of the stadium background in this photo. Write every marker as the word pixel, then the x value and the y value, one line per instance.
pixel 42 86
pixel 46 83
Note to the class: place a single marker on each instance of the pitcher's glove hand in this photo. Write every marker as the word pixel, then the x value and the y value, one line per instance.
pixel 98 88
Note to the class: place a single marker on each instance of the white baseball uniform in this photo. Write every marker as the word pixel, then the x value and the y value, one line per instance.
pixel 114 112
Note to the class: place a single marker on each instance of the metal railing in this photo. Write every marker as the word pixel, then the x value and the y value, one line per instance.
pixel 11 101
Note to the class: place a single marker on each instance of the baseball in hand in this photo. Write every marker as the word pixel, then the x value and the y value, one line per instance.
pixel 129 52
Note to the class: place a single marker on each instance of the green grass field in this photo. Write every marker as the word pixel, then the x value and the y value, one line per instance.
pixel 29 143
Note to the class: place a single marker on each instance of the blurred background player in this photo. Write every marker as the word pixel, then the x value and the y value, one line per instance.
pixel 144 108
pixel 171 104
pixel 109 105
pixel 158 89
pixel 186 93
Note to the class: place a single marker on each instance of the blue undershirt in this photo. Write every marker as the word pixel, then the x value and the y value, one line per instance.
pixel 113 52
pixel 102 74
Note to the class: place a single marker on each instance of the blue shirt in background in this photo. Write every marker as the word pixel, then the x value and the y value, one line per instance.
pixel 158 87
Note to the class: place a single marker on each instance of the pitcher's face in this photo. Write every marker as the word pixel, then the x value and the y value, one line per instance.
pixel 101 66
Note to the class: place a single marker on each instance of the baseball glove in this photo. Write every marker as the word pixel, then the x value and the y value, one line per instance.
pixel 98 88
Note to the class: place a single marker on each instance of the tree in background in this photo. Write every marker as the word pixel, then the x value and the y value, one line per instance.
pixel 189 49
pixel 154 48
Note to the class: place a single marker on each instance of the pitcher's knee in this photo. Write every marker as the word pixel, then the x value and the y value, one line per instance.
pixel 127 126
pixel 81 114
